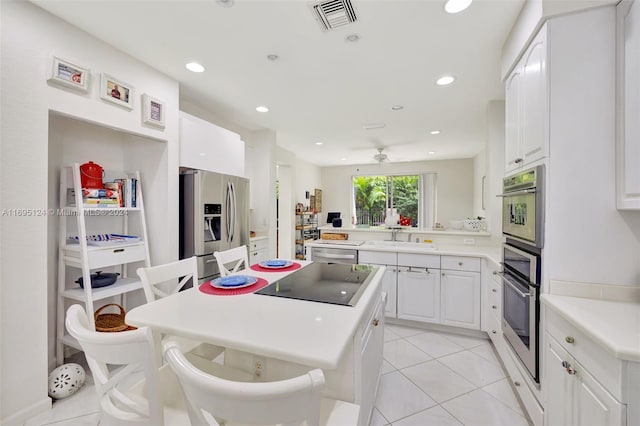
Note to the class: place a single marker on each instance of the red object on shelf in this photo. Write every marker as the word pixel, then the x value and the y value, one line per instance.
pixel 91 175
pixel 405 221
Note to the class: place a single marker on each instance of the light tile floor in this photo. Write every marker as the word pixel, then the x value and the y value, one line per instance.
pixel 428 378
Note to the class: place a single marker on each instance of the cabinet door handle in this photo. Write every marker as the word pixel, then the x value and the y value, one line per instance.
pixel 494 307
pixel 570 370
pixel 518 160
pixel 516 383
pixel 494 332
pixel 459 263
pixel 376 322
pixel 569 339
pixel 443 274
pixel 493 290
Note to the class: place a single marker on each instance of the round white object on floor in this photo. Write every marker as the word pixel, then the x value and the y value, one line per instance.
pixel 66 380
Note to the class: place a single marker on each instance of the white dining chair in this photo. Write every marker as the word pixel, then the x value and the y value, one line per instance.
pixel 213 400
pixel 126 398
pixel 239 255
pixel 167 279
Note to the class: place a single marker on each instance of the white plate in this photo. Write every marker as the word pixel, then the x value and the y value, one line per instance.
pixel 250 281
pixel 265 264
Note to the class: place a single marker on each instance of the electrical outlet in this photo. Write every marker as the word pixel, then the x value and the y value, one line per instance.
pixel 469 241
pixel 259 366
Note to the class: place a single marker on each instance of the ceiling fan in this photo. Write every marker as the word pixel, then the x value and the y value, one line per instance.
pixel 380 157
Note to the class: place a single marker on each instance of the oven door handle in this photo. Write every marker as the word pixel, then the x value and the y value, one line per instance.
pixel 517 290
pixel 523 192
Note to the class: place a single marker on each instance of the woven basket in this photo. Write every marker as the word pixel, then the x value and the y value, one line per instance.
pixel 334 236
pixel 111 322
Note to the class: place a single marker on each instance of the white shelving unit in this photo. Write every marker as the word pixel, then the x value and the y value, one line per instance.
pixel 80 220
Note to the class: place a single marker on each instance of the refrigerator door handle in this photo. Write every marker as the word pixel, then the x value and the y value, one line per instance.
pixel 233 211
pixel 227 211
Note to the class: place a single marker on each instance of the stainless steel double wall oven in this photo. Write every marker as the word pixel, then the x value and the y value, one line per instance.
pixel 523 226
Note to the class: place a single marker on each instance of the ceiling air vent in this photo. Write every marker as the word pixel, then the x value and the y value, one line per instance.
pixel 334 13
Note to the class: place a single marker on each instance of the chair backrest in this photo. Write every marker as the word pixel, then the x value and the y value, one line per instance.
pixel 291 401
pixel 238 255
pixel 154 278
pixel 133 350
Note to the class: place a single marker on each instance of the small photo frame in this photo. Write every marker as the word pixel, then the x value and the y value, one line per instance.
pixel 152 111
pixel 116 91
pixel 66 74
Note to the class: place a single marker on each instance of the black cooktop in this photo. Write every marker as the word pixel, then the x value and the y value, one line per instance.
pixel 323 282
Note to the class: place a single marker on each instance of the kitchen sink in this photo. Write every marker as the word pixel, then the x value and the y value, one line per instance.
pixel 403 244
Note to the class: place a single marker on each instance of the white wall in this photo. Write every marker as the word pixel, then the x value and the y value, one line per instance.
pixel 495 167
pixel 29 36
pixel 455 185
pixel 479 183
pixel 587 239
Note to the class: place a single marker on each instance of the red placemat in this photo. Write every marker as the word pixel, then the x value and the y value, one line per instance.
pixel 292 267
pixel 208 289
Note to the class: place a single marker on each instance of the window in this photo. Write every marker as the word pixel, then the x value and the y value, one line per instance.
pixel 413 196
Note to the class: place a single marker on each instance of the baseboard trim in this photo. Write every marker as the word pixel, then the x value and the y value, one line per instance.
pixel 17 419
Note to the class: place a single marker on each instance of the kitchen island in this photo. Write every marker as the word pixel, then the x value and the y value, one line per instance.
pixel 287 336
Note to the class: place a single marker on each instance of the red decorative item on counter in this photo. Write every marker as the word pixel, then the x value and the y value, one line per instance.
pixel 91 175
pixel 405 221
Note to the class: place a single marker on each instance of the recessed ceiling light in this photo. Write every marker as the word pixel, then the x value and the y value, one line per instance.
pixel 318 143
pixel 397 107
pixel 273 57
pixel 372 126
pixel 225 3
pixel 352 38
pixel 455 6
pixel 432 152
pixel 343 159
pixel 194 67
pixel 262 109
pixel 435 132
pixel 445 80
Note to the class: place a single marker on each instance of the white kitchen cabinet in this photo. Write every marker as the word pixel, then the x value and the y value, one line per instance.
pixel 460 299
pixel 258 250
pixel 628 106
pixel 390 286
pixel 574 397
pixel 390 278
pixel 369 365
pixel 419 294
pixel 460 291
pixel 527 107
pixel 205 146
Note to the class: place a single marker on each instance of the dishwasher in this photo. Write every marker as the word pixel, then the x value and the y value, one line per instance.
pixel 334 255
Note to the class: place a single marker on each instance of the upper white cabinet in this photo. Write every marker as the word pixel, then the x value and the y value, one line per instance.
pixel 527 107
pixel 628 93
pixel 205 146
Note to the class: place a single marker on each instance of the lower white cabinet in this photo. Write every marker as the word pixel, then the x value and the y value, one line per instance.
pixel 419 294
pixel 368 369
pixel 390 286
pixel 574 397
pixel 460 299
pixel 258 250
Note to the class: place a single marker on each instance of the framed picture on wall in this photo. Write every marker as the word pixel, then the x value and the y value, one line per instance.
pixel 152 111
pixel 116 91
pixel 66 74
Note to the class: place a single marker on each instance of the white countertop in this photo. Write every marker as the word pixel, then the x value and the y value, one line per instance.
pixel 614 325
pixel 405 229
pixel 309 333
pixel 493 253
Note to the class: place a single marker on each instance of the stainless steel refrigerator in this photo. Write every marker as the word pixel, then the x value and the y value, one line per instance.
pixel 214 216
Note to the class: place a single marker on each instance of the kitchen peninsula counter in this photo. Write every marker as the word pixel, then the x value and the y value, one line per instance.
pixel 298 331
